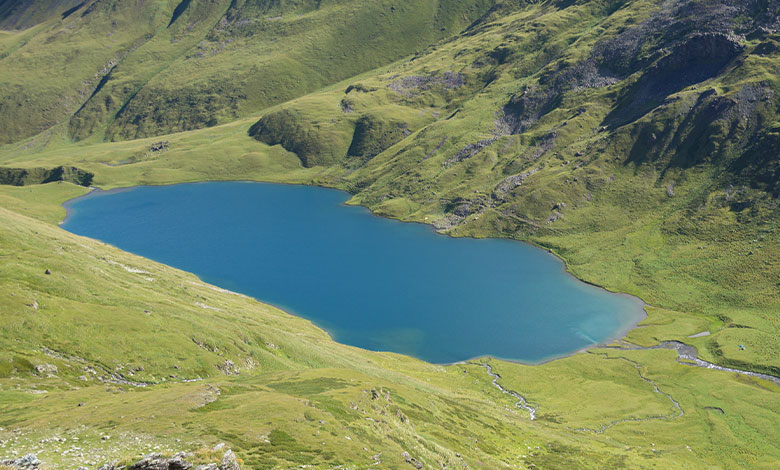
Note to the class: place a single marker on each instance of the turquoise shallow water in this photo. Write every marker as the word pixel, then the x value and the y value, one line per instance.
pixel 371 282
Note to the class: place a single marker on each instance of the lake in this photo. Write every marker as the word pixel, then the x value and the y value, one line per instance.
pixel 370 282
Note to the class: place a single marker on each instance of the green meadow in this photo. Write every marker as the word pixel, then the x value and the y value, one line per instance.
pixel 569 125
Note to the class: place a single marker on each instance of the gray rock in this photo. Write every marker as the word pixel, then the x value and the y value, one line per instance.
pixel 229 462
pixel 228 367
pixel 554 217
pixel 415 83
pixel 462 210
pixel 159 146
pixel 412 461
pixel 469 151
pixel 109 466
pixel 158 462
pixel 46 369
pixel 510 183
pixel 28 462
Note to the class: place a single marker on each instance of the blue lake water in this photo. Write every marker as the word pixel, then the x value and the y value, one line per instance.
pixel 371 282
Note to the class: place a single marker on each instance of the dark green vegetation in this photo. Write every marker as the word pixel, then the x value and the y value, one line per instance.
pixel 25 176
pixel 637 139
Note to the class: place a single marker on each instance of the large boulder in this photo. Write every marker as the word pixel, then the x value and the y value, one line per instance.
pixel 229 461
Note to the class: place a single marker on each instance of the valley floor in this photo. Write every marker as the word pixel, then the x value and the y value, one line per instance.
pixel 637 140
pixel 298 398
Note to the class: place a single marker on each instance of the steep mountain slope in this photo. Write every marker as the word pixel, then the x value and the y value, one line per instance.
pixel 631 122
pixel 636 139
pixel 173 66
pixel 23 14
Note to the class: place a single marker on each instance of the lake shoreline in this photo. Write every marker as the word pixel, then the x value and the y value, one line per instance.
pixel 619 334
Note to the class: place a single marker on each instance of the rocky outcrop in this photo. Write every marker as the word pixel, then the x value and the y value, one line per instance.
pixel 509 183
pixel 684 43
pixel 524 109
pixel 228 368
pixel 229 461
pixel 180 461
pixel 412 84
pixel 47 370
pixel 161 146
pixel 28 462
pixel 412 461
pixel 158 462
pixel 469 151
pixel 694 60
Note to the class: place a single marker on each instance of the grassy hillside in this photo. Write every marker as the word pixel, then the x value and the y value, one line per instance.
pixel 636 139
pixel 281 393
pixel 677 205
pixel 169 66
pixel 642 161
pixel 24 14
